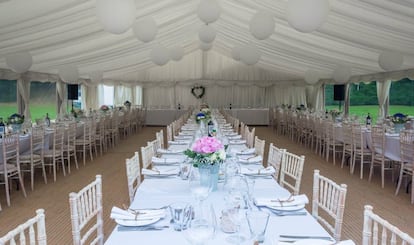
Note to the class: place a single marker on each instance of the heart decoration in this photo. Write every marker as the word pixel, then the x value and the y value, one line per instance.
pixel 198 91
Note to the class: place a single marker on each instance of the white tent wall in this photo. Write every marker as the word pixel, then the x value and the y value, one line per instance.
pixel 222 94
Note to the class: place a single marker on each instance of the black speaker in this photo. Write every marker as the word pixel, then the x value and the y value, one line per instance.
pixel 339 92
pixel 73 91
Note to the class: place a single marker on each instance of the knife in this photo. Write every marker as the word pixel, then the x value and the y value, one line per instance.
pixel 298 237
pixel 141 228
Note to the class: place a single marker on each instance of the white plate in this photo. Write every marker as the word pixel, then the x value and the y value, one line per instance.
pixel 160 175
pixel 287 208
pixel 143 222
pixel 312 242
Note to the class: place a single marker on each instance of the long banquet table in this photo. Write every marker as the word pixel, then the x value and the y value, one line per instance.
pixel 160 192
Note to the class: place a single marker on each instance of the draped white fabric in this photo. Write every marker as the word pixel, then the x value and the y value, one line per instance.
pixel 383 89
pixel 89 97
pixel 62 97
pixel 122 94
pixel 239 95
pixel 23 87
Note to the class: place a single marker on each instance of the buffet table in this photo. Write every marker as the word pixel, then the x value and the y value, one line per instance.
pixel 162 117
pixel 258 116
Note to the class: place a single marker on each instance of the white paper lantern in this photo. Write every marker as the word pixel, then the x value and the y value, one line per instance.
pixel 312 77
pixel 145 29
pixel 208 11
pixel 390 61
pixel 307 15
pixel 262 25
pixel 177 53
pixel 205 46
pixel 116 16
pixel 96 76
pixel 235 52
pixel 341 74
pixel 160 55
pixel 250 54
pixel 207 34
pixel 69 73
pixel 19 62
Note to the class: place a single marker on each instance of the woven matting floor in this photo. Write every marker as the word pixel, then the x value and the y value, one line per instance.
pixel 53 197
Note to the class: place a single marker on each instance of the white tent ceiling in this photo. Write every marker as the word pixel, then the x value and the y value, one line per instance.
pixel 67 32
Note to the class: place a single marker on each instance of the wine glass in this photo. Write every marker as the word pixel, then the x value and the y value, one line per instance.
pixel 234 200
pixel 200 186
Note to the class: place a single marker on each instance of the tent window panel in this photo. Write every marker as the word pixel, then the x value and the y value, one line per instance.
pixel 8 98
pixel 401 97
pixel 108 98
pixel 363 100
pixel 42 99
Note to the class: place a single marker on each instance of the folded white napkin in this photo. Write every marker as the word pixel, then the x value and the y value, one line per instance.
pixel 230 133
pixel 158 160
pixel 183 137
pixel 166 151
pixel 346 242
pixel 246 159
pixel 189 133
pixel 237 142
pixel 179 142
pixel 248 151
pixel 160 172
pixel 282 202
pixel 263 171
pixel 117 213
pixel 234 137
pixel 392 134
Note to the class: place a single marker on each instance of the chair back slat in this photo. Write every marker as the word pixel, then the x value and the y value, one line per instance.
pixel 377 230
pixel 35 235
pixel 133 171
pixel 259 146
pixel 275 158
pixel 328 197
pixel 85 206
pixel 147 153
pixel 291 172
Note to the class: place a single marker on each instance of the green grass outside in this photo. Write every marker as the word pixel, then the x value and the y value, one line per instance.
pixel 37 110
pixel 362 111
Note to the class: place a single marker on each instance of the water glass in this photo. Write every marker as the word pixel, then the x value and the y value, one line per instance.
pixel 257 221
pixel 185 168
pixel 181 214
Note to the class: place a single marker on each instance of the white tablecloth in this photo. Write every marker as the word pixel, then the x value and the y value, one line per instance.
pixel 251 116
pixel 159 192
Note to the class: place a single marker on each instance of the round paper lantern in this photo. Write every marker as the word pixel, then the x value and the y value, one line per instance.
pixel 312 77
pixel 235 52
pixel 207 34
pixel 69 73
pixel 342 74
pixel 390 61
pixel 307 15
pixel 160 55
pixel 262 25
pixel 250 54
pixel 116 16
pixel 208 11
pixel 177 53
pixel 96 76
pixel 205 46
pixel 19 62
pixel 145 29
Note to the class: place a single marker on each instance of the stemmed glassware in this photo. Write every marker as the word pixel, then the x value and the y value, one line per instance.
pixel 200 186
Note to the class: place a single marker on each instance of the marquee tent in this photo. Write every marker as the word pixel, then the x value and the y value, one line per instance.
pixel 158 43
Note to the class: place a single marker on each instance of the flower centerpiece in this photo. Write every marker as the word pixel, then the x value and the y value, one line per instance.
pixel 334 114
pixel 104 108
pixel 207 154
pixel 16 119
pixel 127 104
pixel 399 118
